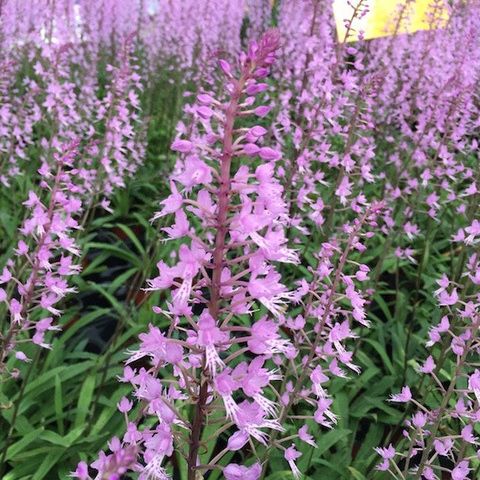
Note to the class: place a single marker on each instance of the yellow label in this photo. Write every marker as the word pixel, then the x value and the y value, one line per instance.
pixel 380 18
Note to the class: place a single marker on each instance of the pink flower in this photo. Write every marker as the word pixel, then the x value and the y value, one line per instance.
pixel 81 472
pixel 443 447
pixel 124 405
pixel 419 420
pixel 467 434
pixel 251 418
pixel 428 366
pixel 226 68
pixel 22 357
pixel 5 276
pixel 473 231
pixel 404 396
pixel 182 146
pixel 267 153
pixel 323 415
pixel 171 204
pixel 291 454
pixel 411 230
pixel 180 228
pixel 16 310
pixel 305 436
pixel 429 474
pixel 269 291
pixel 262 111
pixel 237 441
pixel 196 172
pixel 265 338
pixel 209 335
pixel 446 299
pixel 474 383
pixel 387 454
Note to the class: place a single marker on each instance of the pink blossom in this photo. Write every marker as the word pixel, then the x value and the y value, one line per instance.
pixel 460 472
pixel 291 454
pixel 240 472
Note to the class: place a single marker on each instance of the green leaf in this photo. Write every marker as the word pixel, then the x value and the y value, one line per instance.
pixel 84 400
pixel 23 443
pixel 47 380
pixel 53 438
pixel 117 251
pixel 329 439
pixel 58 401
pixel 119 307
pixel 132 237
pixel 382 352
pixel 282 475
pixel 50 460
pixel 356 474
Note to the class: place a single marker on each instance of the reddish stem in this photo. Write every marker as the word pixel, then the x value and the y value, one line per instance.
pixel 218 262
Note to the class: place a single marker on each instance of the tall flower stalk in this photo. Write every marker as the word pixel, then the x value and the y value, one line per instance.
pixel 212 358
pixel 35 280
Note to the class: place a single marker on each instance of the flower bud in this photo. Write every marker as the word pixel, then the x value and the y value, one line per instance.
pixel 262 111
pixel 237 441
pixel 183 146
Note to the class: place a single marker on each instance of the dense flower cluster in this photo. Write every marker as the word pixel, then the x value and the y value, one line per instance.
pixel 252 372
pixel 36 280
pixel 243 216
pixel 220 277
pixel 17 116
